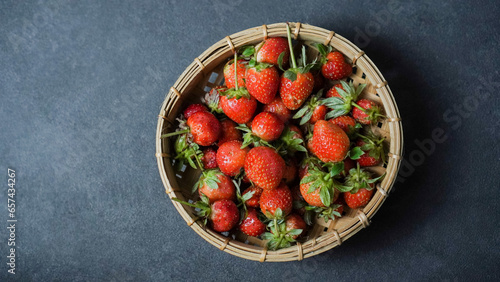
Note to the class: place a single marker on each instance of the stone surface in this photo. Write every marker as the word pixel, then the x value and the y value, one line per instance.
pixel 81 85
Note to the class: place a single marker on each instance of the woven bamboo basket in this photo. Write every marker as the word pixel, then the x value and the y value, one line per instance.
pixel 205 72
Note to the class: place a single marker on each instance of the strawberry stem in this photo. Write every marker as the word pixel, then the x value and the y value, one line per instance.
pixel 235 64
pixel 184 203
pixel 359 107
pixel 175 133
pixel 292 56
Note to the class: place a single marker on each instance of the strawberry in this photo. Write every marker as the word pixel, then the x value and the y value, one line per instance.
pixel 216 186
pixel 229 132
pixel 332 92
pixel 209 160
pixel 204 128
pixel 267 126
pixel 359 185
pixel 270 50
pixel 295 88
pixel 278 198
pixel 223 214
pixel 194 108
pixel 262 82
pixel 318 188
pixel 366 111
pixel 264 167
pixel 295 221
pixel 231 157
pixel 330 143
pixel 229 76
pixel 297 82
pixel 347 123
pixel 358 199
pixel 251 224
pixel 343 99
pixel 334 66
pixel 373 148
pixel 278 107
pixel 237 103
pixel 254 201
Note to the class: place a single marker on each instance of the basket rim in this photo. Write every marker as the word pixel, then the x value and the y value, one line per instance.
pixel 226 46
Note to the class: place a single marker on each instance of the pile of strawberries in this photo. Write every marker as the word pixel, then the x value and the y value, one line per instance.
pixel 275 151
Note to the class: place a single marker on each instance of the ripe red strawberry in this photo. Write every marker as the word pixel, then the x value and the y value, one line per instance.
pixel 264 167
pixel 334 65
pixel 278 107
pixel 229 73
pixel 239 110
pixel 267 126
pixel 229 132
pixel 216 186
pixel 270 49
pixel 347 123
pixel 297 82
pixel 295 221
pixel 297 131
pixel 294 92
pixel 231 157
pixel 194 108
pixel 251 225
pixel 330 143
pixel 366 111
pixel 237 103
pixel 224 215
pixel 262 82
pixel 280 197
pixel 204 127
pixel 209 160
pixel 319 113
pixel 359 185
pixel 254 201
pixel 358 199
pixel 365 159
pixel 333 91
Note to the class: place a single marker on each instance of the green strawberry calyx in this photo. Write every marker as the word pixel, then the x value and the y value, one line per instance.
pixel 374 113
pixel 359 178
pixel 374 145
pixel 249 138
pixel 327 213
pixel 208 177
pixel 279 237
pixel 202 207
pixel 324 181
pixel 342 105
pixel 323 50
pixel 288 143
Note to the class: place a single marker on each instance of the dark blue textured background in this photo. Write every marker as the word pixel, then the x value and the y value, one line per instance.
pixel 81 85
